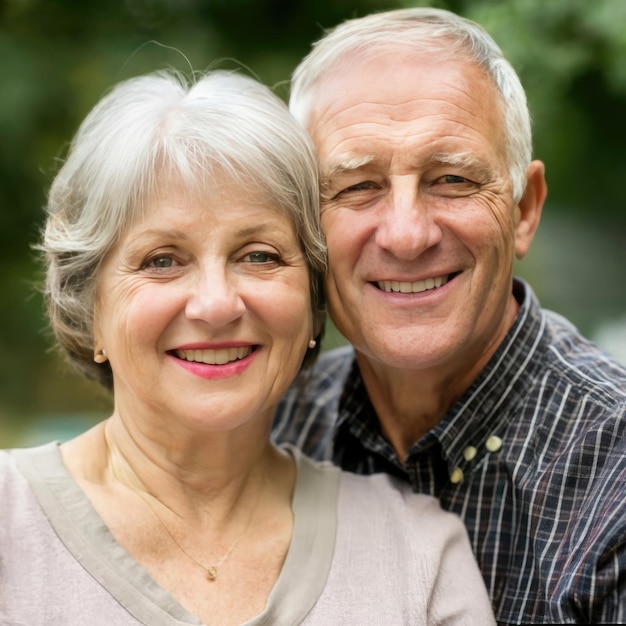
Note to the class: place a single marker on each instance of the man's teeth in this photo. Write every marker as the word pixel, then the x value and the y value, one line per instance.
pixel 214 357
pixel 417 287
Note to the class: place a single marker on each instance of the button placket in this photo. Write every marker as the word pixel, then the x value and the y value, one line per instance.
pixel 493 444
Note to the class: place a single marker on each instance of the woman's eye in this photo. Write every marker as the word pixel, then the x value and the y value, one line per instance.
pixel 260 257
pixel 160 262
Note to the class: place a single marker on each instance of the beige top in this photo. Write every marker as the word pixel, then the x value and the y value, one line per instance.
pixel 356 542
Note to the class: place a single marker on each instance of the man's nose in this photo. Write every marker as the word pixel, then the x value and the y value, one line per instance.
pixel 215 298
pixel 408 222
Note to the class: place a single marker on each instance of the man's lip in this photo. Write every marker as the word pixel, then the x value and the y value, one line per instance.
pixel 414 286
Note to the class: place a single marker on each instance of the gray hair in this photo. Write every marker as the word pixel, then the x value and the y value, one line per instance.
pixel 424 30
pixel 155 130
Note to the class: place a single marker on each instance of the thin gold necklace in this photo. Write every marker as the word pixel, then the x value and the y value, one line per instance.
pixel 211 570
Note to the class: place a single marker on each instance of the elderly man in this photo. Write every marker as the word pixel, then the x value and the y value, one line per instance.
pixel 457 380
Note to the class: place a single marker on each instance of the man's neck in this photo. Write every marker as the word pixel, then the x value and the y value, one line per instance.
pixel 408 403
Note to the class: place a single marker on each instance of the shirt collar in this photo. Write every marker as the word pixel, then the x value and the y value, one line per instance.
pixel 476 425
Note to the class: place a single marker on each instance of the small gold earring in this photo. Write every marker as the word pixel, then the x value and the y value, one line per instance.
pixel 312 344
pixel 100 356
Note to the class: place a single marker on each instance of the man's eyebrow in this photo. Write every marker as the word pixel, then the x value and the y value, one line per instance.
pixel 454 158
pixel 458 159
pixel 345 166
pixel 461 159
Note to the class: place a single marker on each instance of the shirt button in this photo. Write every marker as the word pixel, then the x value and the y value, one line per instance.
pixel 469 453
pixel 456 476
pixel 493 444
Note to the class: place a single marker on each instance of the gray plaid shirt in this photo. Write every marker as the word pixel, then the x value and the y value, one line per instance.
pixel 532 457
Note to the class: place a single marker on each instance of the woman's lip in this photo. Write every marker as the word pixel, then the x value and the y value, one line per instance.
pixel 215 370
pixel 222 345
pixel 214 356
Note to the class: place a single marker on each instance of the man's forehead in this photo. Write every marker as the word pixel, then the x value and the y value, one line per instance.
pixel 364 67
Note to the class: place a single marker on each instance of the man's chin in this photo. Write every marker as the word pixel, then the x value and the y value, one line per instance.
pixel 402 353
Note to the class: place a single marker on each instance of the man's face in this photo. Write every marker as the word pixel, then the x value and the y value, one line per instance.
pixel 417 209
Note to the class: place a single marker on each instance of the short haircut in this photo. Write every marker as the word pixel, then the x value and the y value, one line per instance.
pixel 423 30
pixel 161 129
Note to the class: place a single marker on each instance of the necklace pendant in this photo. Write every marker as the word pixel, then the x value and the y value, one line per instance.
pixel 211 573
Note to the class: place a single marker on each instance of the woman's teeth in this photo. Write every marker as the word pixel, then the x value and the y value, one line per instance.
pixel 214 357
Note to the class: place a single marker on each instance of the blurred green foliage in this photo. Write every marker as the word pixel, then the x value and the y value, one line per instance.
pixel 60 56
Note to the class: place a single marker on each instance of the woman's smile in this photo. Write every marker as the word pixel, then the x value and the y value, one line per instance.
pixel 212 363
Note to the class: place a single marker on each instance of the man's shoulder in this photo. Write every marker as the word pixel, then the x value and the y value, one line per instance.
pixel 574 395
pixel 552 350
pixel 307 414
pixel 324 381
pixel 569 422
pixel 331 365
pixel 581 363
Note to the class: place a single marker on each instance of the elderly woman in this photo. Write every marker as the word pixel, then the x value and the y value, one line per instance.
pixel 184 271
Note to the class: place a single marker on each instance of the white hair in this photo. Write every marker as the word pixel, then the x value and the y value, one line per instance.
pixel 153 131
pixel 423 30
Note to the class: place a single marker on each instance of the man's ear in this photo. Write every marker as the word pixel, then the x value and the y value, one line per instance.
pixel 529 208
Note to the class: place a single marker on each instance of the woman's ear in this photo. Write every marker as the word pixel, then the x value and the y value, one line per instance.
pixel 529 208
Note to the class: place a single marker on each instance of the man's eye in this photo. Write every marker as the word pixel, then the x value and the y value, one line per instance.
pixel 260 257
pixel 452 179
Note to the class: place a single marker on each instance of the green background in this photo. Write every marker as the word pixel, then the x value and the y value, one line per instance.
pixel 60 56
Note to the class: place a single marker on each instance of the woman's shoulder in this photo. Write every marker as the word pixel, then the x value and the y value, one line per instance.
pixel 19 475
pixel 8 473
pixel 31 460
pixel 23 470
pixel 382 499
pixel 366 490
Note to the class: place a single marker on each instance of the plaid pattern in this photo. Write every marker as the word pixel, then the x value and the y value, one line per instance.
pixel 532 457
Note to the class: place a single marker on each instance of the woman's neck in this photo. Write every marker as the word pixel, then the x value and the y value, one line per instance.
pixel 193 524
pixel 213 481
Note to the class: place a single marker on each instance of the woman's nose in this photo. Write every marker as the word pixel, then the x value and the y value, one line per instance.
pixel 215 299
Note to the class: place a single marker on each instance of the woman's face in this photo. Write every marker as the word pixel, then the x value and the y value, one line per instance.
pixel 204 311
